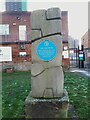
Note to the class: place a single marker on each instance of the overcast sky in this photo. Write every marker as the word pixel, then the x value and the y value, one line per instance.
pixel 77 13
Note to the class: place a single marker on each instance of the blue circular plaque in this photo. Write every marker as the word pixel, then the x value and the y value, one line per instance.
pixel 46 50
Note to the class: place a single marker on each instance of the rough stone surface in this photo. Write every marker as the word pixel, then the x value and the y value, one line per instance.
pixel 36 69
pixel 47 79
pixel 48 84
pixel 53 13
pixel 47 108
pixel 35 34
pixel 50 27
pixel 37 19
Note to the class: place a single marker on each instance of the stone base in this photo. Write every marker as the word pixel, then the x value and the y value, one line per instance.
pixel 47 108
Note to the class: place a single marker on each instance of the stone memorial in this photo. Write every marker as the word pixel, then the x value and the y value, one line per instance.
pixel 47 98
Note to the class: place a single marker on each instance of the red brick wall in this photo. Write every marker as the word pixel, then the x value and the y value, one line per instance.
pixel 85 40
pixel 15 53
pixel 66 61
pixel 10 18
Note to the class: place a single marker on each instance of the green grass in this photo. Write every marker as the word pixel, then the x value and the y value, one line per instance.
pixel 77 87
pixel 16 87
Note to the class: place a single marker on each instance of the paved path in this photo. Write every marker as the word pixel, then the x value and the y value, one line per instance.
pixel 82 71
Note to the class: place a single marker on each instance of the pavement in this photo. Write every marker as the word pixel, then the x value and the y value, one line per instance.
pixel 82 71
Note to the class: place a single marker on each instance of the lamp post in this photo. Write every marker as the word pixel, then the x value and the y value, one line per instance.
pixel 82 62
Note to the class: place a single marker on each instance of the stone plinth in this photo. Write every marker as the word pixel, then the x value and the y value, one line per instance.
pixel 47 108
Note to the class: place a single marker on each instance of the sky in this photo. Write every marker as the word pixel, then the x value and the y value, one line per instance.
pixel 77 13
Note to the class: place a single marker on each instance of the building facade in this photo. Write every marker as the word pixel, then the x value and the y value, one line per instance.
pixel 65 59
pixel 14 31
pixel 16 5
pixel 85 41
pixel 15 26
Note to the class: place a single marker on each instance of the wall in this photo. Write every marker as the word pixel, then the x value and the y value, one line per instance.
pixel 64 14
pixel 85 40
pixel 19 62
pixel 14 19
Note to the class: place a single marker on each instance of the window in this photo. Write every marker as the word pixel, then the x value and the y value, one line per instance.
pixel 4 29
pixel 22 54
pixel 22 32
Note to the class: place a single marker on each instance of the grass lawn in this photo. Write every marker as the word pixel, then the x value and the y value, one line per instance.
pixel 77 87
pixel 16 86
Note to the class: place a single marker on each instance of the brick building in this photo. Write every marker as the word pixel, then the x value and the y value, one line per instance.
pixel 15 29
pixel 65 59
pixel 85 40
pixel 15 32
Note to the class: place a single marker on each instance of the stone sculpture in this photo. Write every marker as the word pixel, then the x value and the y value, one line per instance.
pixel 47 76
pixel 47 98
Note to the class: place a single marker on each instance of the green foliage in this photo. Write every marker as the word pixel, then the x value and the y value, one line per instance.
pixel 77 87
pixel 16 87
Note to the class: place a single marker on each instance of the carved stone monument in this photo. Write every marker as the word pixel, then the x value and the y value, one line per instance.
pixel 47 98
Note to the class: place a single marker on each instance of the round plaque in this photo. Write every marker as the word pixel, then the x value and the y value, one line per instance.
pixel 46 50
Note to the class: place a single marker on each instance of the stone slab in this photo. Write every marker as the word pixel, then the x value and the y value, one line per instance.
pixel 35 34
pixel 47 27
pixel 36 69
pixel 37 18
pixel 49 84
pixel 47 108
pixel 53 13
pixel 50 27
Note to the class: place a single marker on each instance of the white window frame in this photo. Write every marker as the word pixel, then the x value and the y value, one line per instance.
pixel 4 29
pixel 22 32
